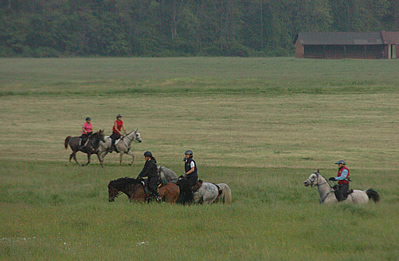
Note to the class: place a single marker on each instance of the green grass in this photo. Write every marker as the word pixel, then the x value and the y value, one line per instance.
pixel 259 125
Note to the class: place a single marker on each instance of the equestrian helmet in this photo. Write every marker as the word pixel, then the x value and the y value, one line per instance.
pixel 341 162
pixel 148 154
pixel 118 116
pixel 188 152
pixel 88 119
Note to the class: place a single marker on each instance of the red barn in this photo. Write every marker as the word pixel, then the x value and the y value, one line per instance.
pixel 338 45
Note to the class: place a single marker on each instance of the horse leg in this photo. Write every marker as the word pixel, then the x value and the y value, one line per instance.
pixel 120 157
pixel 88 160
pixel 99 159
pixel 74 157
pixel 131 154
pixel 69 162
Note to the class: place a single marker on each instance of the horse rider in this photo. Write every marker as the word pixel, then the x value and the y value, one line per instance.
pixel 117 131
pixel 343 181
pixel 87 130
pixel 190 168
pixel 150 170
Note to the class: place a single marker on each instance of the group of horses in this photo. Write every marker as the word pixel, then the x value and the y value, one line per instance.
pixel 100 145
pixel 171 190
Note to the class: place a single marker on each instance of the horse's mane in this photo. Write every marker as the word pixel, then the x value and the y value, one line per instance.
pixel 123 182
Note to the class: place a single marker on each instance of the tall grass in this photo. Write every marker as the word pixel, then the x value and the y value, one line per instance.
pixel 259 125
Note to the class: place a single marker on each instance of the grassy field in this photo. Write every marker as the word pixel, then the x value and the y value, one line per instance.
pixel 260 125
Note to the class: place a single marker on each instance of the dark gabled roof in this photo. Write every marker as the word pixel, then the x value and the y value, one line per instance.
pixel 339 38
pixel 390 37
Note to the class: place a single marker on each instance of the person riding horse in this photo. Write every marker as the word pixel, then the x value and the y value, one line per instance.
pixel 190 169
pixel 117 131
pixel 150 170
pixel 342 191
pixel 87 130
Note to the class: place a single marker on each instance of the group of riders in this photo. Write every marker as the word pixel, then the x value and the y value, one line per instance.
pixel 150 169
pixel 87 131
pixel 190 177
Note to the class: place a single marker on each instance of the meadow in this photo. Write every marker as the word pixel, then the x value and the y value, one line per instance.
pixel 261 125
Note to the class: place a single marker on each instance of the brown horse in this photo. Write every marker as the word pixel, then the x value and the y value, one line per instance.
pixel 90 147
pixel 134 189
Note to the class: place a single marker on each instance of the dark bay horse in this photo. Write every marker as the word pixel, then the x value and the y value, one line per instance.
pixel 91 147
pixel 134 190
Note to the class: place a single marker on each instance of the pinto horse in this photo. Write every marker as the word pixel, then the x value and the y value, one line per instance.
pixel 134 189
pixel 91 147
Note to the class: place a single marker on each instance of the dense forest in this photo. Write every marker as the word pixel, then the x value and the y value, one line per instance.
pixel 65 28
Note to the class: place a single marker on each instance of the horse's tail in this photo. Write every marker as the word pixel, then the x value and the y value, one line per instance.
pixel 227 195
pixel 371 193
pixel 67 139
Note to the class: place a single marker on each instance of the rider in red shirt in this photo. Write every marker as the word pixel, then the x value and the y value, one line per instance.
pixel 343 181
pixel 117 131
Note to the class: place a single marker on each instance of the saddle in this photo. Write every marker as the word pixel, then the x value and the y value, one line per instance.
pixel 147 192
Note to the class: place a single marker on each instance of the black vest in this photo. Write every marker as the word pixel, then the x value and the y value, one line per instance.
pixel 187 168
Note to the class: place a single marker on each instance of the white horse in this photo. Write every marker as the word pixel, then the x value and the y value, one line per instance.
pixel 207 193
pixel 225 194
pixel 167 175
pixel 327 195
pixel 122 145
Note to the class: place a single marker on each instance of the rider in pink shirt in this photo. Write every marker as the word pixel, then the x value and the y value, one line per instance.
pixel 87 130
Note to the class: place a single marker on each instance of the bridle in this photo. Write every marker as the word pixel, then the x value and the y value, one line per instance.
pixel 312 181
pixel 321 200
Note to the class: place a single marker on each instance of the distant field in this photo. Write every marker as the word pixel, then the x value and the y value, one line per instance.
pixel 260 125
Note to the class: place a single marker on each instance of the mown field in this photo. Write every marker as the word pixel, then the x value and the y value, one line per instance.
pixel 260 125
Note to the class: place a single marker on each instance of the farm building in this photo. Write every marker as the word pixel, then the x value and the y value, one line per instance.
pixel 337 45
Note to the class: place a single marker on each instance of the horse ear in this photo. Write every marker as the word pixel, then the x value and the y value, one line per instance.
pixel 318 171
pixel 136 130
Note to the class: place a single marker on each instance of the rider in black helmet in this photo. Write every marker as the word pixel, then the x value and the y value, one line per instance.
pixel 150 170
pixel 190 168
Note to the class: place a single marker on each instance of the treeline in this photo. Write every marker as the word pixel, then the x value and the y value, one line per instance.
pixel 52 28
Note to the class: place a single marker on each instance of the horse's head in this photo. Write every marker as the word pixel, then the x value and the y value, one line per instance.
pixel 312 180
pixel 112 192
pixel 101 135
pixel 125 185
pixel 137 136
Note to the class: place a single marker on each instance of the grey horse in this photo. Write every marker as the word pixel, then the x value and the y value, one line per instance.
pixel 123 145
pixel 167 175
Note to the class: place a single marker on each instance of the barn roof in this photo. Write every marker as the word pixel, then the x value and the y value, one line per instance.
pixel 339 38
pixel 390 37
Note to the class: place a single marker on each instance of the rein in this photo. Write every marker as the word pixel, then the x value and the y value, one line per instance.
pixel 321 200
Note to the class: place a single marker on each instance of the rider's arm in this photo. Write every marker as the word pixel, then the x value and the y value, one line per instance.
pixel 192 165
pixel 84 130
pixel 344 173
pixel 123 128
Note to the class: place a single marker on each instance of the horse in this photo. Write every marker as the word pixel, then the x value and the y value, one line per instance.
pixel 122 145
pixel 327 195
pixel 91 147
pixel 167 175
pixel 225 194
pixel 134 189
pixel 207 193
